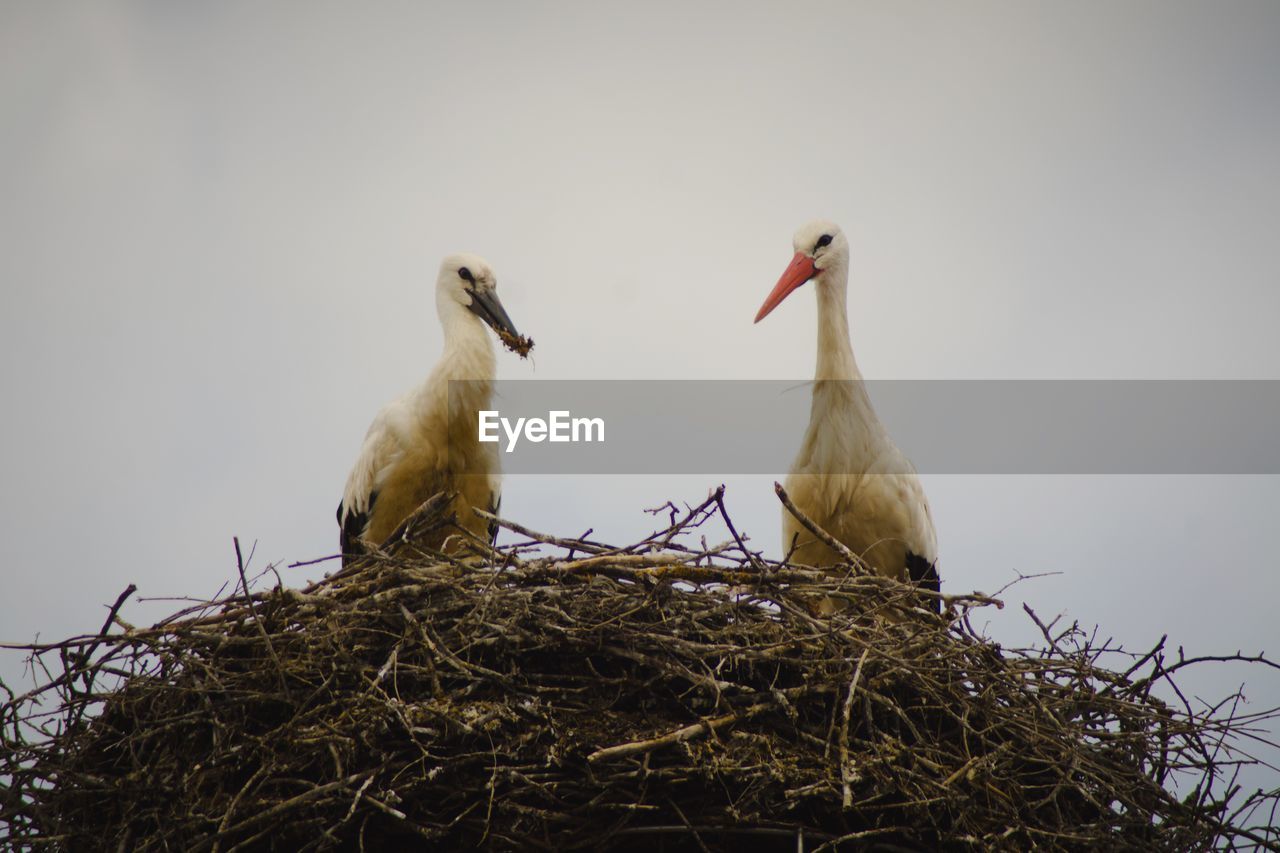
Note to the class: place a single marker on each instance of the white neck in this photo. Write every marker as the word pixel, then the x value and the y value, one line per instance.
pixel 835 354
pixel 838 390
pixel 468 357
pixel 468 347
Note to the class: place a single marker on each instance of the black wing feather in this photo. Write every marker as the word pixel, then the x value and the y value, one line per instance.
pixel 495 504
pixel 925 574
pixel 351 527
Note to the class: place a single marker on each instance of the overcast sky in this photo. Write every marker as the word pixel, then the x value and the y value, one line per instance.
pixel 222 223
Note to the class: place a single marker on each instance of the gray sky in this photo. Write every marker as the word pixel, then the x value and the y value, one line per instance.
pixel 222 223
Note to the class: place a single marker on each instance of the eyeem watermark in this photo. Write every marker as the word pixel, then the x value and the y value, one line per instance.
pixel 560 425
pixel 713 427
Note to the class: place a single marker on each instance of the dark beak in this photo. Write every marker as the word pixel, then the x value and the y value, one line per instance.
pixel 486 305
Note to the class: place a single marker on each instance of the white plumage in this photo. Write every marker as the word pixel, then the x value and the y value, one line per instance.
pixel 849 477
pixel 422 443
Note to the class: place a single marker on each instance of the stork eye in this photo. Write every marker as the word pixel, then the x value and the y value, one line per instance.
pixel 465 274
pixel 824 240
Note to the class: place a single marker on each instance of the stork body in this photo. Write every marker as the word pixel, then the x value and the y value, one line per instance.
pixel 849 477
pixel 424 443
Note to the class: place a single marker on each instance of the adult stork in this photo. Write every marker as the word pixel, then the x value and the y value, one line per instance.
pixel 849 477
pixel 424 442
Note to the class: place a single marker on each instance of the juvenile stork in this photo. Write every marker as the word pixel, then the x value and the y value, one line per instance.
pixel 423 443
pixel 849 477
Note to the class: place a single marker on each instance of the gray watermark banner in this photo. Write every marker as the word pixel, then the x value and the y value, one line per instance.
pixel 943 426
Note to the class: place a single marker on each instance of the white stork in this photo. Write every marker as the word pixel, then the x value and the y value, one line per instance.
pixel 849 477
pixel 415 447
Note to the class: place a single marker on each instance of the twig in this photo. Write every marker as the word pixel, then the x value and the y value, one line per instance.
pixel 724 514
pixel 822 535
pixel 546 539
pixel 115 609
pixel 257 620
pixel 846 711
pixel 622 750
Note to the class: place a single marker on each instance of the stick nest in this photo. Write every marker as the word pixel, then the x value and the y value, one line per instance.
pixel 561 694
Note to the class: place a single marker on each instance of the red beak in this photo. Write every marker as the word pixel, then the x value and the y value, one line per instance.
pixel 801 270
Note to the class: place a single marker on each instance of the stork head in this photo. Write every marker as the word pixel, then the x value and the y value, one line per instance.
pixel 820 245
pixel 467 282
